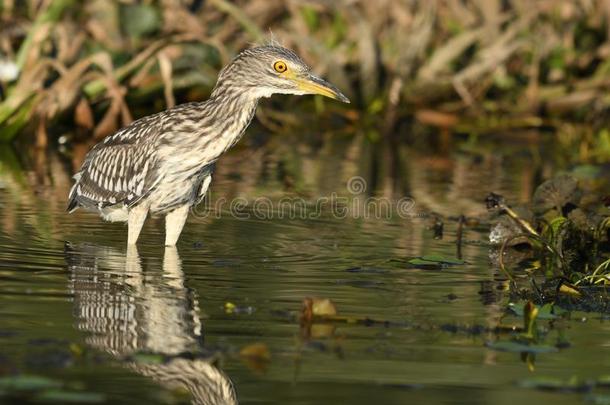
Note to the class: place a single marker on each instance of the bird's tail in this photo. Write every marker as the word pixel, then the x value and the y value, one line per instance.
pixel 72 205
pixel 72 200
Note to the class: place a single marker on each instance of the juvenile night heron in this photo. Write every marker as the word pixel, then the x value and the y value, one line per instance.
pixel 163 163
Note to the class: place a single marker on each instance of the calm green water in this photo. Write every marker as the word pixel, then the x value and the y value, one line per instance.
pixel 84 312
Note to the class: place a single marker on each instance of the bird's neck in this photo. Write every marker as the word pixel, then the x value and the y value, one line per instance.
pixel 229 111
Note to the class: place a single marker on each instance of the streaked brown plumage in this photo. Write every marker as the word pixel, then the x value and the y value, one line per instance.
pixel 163 163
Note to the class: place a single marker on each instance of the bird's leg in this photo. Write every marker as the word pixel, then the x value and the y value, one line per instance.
pixel 133 268
pixel 174 222
pixel 172 268
pixel 135 220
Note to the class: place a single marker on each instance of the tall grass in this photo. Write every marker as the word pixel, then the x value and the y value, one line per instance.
pixel 91 63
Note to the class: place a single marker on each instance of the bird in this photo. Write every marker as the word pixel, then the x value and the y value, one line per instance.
pixel 162 164
pixel 132 314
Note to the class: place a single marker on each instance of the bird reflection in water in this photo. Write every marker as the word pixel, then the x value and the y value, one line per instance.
pixel 125 311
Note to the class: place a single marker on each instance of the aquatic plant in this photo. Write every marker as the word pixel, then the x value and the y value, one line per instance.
pixel 565 235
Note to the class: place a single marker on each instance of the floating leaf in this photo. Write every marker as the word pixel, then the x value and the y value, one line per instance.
pixel 72 397
pixel 556 384
pixel 442 259
pixel 517 347
pixel 229 307
pixel 367 270
pixel 603 381
pixel 320 331
pixel 547 311
pixel 317 307
pixel 256 356
pixel 323 307
pixel 28 383
pixel 76 349
pixel 434 261
pixel 599 399
pixel 256 350
pixel 417 262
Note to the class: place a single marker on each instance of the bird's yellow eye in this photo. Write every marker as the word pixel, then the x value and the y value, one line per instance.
pixel 280 66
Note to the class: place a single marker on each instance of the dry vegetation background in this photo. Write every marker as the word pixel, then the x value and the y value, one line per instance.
pixel 462 65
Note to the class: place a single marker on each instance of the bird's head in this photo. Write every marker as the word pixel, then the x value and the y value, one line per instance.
pixel 270 69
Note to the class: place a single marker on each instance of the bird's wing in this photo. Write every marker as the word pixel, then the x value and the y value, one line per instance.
pixel 120 169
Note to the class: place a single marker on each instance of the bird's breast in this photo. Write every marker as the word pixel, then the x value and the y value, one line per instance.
pixel 187 153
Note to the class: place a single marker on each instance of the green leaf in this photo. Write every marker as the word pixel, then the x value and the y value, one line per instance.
pixel 421 262
pixel 310 15
pixel 557 59
pixel 140 19
pixel 442 259
pixel 556 225
pixel 15 121
pixel 586 171
pixel 603 381
pixel 602 143
pixel 547 311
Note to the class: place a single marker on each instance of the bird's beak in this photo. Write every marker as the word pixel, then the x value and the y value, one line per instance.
pixel 311 84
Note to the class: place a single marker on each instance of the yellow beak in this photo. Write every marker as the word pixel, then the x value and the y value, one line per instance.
pixel 311 84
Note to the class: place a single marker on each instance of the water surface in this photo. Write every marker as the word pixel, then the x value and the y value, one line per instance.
pixel 162 325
